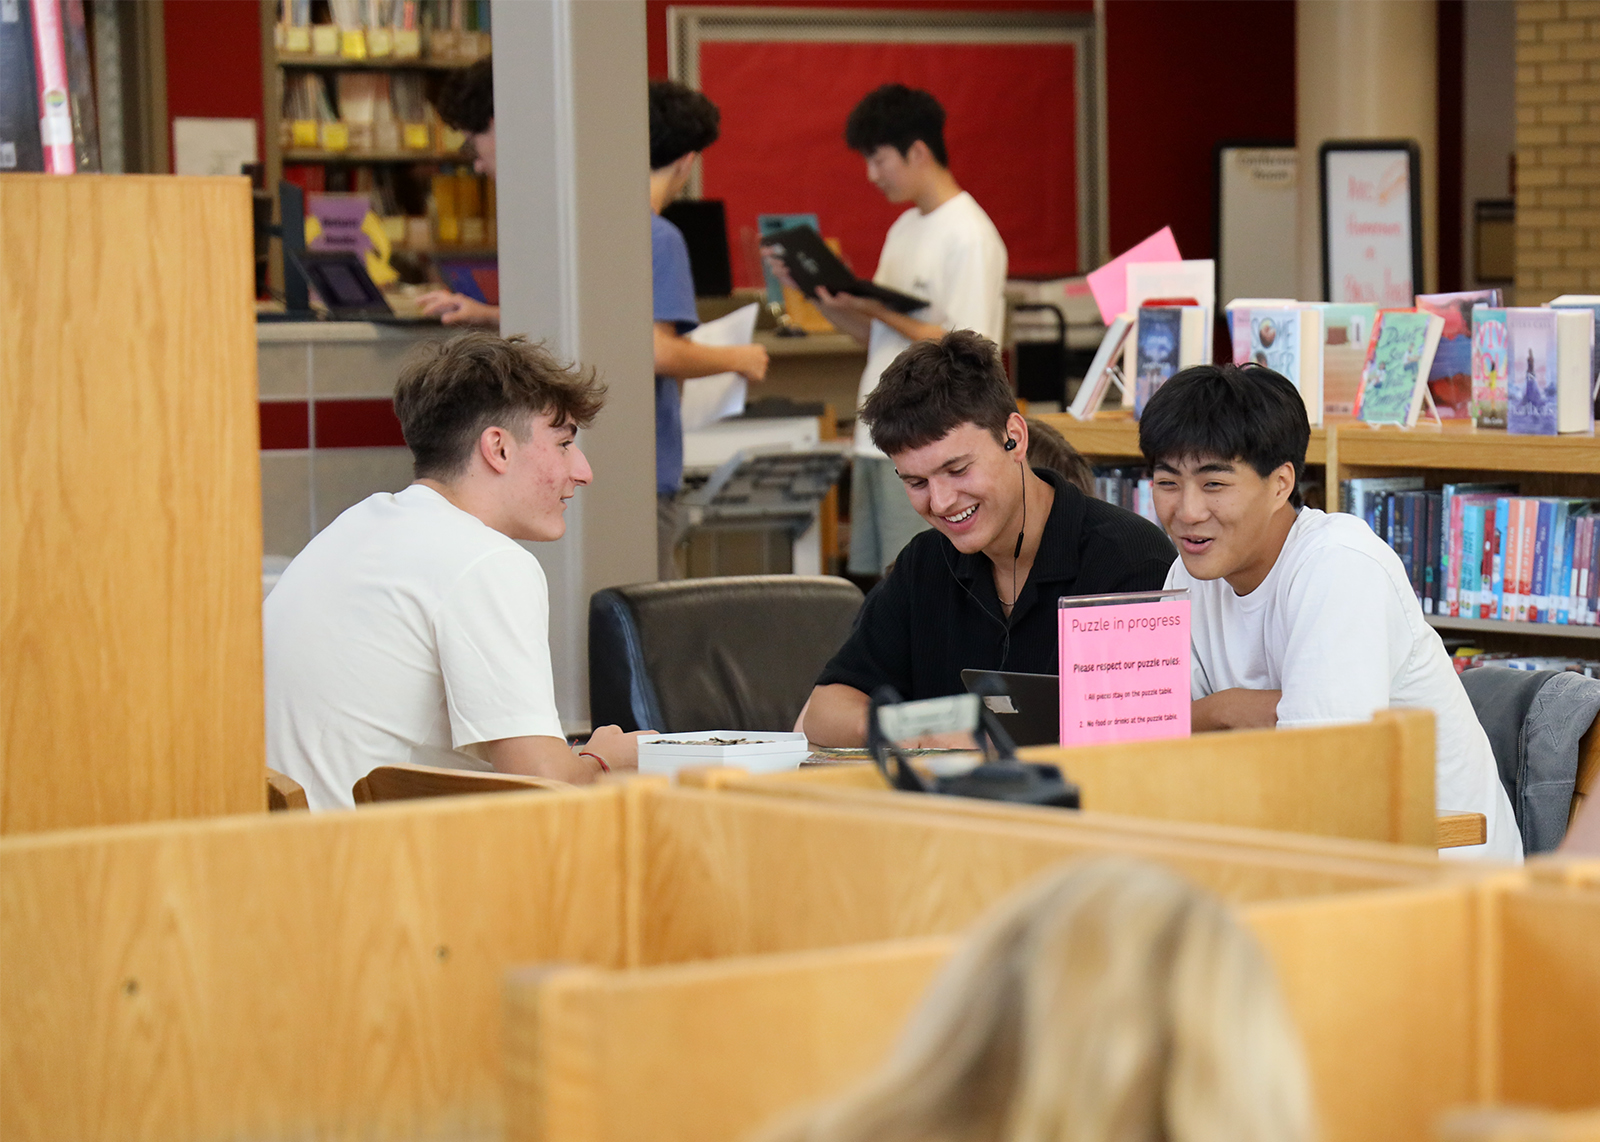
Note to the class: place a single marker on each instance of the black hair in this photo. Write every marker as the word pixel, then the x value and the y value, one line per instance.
pixel 681 120
pixel 1225 412
pixel 1047 448
pixel 466 101
pixel 935 386
pixel 896 116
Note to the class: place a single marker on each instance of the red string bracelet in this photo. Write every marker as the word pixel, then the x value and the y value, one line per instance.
pixel 600 761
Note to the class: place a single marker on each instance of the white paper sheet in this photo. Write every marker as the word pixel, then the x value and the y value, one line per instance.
pixel 707 400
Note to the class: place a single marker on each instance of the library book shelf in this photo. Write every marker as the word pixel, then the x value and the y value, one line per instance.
pixel 1454 453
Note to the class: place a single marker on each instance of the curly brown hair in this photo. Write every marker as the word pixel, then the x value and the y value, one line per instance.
pixel 451 390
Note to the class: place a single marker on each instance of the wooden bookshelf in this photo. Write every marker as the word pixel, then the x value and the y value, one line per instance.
pixel 1456 452
pixel 305 155
pixel 384 63
pixel 1115 436
pixel 1499 627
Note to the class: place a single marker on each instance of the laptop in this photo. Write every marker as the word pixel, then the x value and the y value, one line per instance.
pixel 1027 705
pixel 811 264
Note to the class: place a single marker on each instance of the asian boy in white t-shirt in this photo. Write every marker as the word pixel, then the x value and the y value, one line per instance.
pixel 945 249
pixel 1298 617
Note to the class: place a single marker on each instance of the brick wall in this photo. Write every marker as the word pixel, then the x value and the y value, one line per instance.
pixel 1558 148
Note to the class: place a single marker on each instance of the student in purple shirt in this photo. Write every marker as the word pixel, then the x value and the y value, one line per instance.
pixel 682 124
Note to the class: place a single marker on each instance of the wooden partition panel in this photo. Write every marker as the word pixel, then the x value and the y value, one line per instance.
pixel 130 530
pixel 1549 962
pixel 1404 1000
pixel 734 874
pixel 701 1052
pixel 1384 987
pixel 290 976
pixel 1369 782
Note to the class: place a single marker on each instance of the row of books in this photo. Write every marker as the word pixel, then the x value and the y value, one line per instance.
pixel 418 211
pixel 366 111
pixel 47 116
pixel 384 29
pixel 1482 551
pixel 1129 488
pixel 1470 658
pixel 1531 370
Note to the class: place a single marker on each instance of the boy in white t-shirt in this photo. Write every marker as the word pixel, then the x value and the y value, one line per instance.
pixel 414 629
pixel 1299 617
pixel 943 249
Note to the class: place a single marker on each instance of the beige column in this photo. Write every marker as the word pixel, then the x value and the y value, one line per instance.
pixel 1365 69
pixel 573 142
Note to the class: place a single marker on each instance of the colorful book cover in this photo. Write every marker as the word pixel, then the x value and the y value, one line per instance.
pixel 1160 337
pixel 1529 530
pixel 1490 362
pixel 50 75
pixel 1450 375
pixel 1561 581
pixel 1392 372
pixel 1471 558
pixel 1430 558
pixel 1539 597
pixel 20 149
pixel 1531 394
pixel 1498 565
pixel 1347 335
pixel 1269 337
pixel 1513 560
pixel 1488 605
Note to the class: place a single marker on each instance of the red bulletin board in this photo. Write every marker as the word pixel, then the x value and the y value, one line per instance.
pixel 1011 132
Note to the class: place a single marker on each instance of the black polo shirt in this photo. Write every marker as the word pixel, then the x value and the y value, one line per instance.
pixel 937 612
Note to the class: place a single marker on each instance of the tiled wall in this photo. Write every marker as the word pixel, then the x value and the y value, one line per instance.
pixel 1558 148
pixel 329 437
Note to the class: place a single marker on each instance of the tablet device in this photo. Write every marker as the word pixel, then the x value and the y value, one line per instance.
pixel 1028 705
pixel 811 264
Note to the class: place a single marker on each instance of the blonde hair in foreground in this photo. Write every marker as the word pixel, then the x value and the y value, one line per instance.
pixel 1108 1001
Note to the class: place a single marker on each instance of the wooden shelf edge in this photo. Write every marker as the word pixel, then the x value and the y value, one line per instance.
pixel 384 63
pixel 1500 626
pixel 303 155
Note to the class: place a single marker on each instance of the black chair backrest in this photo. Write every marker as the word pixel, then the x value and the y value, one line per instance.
pixel 737 653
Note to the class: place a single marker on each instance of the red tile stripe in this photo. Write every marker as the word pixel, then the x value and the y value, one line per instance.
pixel 357 423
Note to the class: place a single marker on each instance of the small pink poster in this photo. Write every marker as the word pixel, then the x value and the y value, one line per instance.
pixel 1124 668
pixel 1109 284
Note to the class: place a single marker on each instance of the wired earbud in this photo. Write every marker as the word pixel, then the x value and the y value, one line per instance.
pixel 1011 444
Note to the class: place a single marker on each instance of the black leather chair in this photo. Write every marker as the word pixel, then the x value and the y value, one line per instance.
pixel 738 653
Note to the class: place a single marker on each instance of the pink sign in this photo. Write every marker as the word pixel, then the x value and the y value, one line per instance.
pixel 1124 671
pixel 1109 283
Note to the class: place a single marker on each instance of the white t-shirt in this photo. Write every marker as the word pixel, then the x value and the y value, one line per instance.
pixel 1336 627
pixel 407 632
pixel 953 256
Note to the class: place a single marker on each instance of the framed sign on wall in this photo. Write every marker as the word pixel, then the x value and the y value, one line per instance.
pixel 1371 221
pixel 1254 220
pixel 1022 92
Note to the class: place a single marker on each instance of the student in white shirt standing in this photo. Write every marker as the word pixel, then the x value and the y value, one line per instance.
pixel 943 249
pixel 414 629
pixel 1298 617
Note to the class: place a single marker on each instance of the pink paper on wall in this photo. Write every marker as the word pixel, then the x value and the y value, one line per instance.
pixel 1124 671
pixel 1109 283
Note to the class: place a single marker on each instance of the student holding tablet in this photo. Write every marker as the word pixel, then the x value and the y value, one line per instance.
pixel 1299 617
pixel 945 249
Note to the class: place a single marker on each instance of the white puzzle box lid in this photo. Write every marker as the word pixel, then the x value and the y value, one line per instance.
pixel 756 752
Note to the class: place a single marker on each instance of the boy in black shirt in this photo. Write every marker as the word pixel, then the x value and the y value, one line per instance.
pixel 979 590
